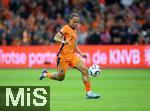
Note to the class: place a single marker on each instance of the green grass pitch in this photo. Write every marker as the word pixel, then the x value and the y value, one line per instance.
pixel 121 89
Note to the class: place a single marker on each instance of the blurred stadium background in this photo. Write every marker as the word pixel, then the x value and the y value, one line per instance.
pixel 114 34
pixel 34 22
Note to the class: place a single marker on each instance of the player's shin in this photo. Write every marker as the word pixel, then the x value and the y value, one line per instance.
pixel 48 75
pixel 55 76
pixel 86 82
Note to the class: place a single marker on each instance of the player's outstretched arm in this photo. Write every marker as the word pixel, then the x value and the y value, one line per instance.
pixel 77 49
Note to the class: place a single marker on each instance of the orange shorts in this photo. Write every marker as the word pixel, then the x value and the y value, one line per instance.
pixel 62 65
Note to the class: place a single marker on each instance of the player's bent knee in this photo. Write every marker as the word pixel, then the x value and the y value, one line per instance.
pixel 61 77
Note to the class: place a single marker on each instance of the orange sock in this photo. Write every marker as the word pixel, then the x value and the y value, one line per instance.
pixel 87 86
pixel 48 75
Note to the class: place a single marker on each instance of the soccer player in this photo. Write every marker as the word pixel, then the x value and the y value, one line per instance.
pixel 66 56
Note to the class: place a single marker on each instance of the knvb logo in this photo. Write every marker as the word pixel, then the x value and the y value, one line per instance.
pixel 16 98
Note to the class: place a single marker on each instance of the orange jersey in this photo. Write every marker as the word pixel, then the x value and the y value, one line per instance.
pixel 66 51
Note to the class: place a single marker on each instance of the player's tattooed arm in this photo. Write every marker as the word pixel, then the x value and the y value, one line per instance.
pixel 60 38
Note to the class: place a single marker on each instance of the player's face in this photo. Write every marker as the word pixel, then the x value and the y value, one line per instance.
pixel 74 22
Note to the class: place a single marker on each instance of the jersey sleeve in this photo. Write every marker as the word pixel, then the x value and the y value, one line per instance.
pixel 63 30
